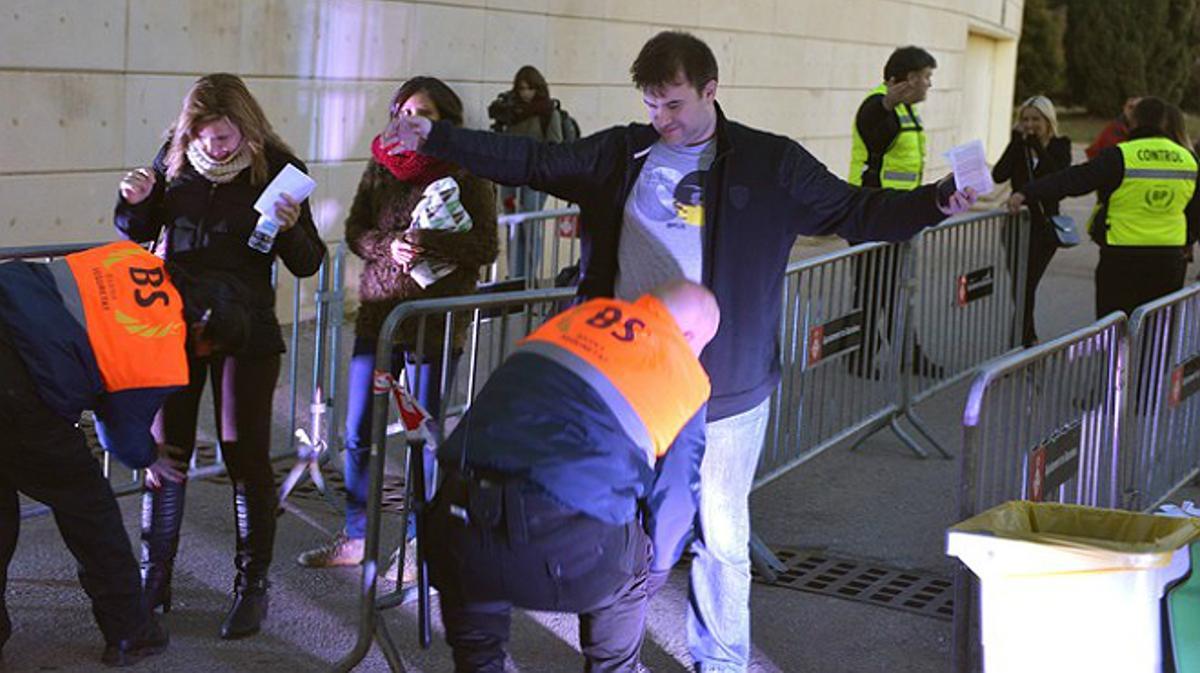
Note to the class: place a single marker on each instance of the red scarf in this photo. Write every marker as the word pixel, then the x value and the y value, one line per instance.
pixel 411 167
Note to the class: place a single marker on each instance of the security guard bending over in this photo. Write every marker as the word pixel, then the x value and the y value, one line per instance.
pixel 1146 215
pixel 539 507
pixel 104 330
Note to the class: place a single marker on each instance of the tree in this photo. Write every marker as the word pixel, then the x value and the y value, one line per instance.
pixel 1191 96
pixel 1121 48
pixel 1041 66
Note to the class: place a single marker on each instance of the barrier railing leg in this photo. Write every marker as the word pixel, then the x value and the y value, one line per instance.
pixel 962 646
pixel 368 627
pixel 764 560
pixel 419 492
pixel 924 430
pixel 311 453
pixel 905 438
pixel 390 652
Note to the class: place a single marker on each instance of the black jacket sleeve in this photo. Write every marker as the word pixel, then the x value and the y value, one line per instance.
pixel 140 223
pixel 1058 154
pixel 301 247
pixel 570 171
pixel 826 204
pixel 877 125
pixel 1007 165
pixel 1103 174
pixel 1193 214
pixel 1050 159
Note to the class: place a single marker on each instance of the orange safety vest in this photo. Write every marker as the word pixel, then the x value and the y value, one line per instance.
pixel 132 313
pixel 636 358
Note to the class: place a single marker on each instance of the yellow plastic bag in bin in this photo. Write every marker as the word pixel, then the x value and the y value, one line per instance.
pixel 1072 588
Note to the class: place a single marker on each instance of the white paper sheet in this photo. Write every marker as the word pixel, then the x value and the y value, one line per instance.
pixel 291 181
pixel 969 164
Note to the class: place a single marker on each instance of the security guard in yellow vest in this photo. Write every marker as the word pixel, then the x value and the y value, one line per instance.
pixel 1146 216
pixel 888 150
pixel 102 330
pixel 545 474
pixel 888 140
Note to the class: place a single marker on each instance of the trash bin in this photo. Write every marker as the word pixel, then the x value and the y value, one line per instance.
pixel 1073 588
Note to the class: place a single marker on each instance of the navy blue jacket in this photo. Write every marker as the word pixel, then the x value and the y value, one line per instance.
pixel 56 351
pixel 762 191
pixel 536 419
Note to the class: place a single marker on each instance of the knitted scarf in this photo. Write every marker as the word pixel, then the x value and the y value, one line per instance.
pixel 412 167
pixel 219 172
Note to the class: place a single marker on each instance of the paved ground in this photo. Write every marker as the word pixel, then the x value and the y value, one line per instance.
pixel 877 504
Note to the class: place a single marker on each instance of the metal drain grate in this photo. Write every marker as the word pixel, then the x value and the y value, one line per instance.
pixel 866 582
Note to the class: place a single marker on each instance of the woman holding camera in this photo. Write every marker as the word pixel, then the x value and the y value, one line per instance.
pixel 525 110
pixel 1036 150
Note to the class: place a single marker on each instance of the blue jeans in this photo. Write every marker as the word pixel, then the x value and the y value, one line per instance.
pixel 524 240
pixel 426 379
pixel 718 624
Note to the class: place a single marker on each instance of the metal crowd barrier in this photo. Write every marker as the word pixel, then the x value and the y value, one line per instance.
pixel 968 303
pixel 315 446
pixel 540 244
pixel 1161 432
pixel 840 365
pixel 496 322
pixel 1042 425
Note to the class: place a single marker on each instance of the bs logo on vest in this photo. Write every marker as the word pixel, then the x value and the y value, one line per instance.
pixel 146 282
pixel 605 318
pixel 133 315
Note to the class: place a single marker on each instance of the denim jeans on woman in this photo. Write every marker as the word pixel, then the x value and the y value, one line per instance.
pixel 718 624
pixel 425 379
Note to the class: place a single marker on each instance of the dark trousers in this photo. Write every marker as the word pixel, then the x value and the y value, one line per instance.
pixel 876 290
pixel 1043 243
pixel 1127 278
pixel 46 457
pixel 523 549
pixel 425 378
pixel 243 390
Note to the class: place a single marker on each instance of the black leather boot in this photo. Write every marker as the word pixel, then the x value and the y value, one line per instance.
pixel 150 640
pixel 249 609
pixel 162 514
pixel 254 507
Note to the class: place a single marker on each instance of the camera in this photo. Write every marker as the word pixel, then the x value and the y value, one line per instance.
pixel 503 111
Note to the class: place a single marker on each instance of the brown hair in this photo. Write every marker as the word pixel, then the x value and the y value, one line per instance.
pixel 531 76
pixel 1175 126
pixel 667 55
pixel 449 105
pixel 223 96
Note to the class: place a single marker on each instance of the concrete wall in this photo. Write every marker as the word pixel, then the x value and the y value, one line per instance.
pixel 90 85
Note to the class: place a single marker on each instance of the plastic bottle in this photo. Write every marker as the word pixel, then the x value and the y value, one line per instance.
pixel 264 234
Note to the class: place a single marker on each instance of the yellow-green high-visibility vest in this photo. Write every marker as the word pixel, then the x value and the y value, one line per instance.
pixel 904 161
pixel 1147 209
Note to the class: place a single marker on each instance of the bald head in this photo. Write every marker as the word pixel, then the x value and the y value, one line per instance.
pixel 694 308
